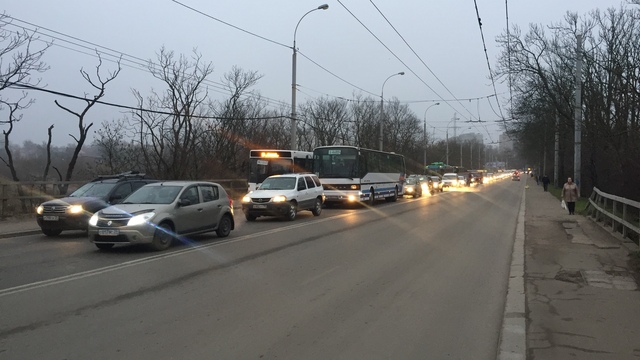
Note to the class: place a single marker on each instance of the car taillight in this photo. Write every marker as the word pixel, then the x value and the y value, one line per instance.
pixel 231 203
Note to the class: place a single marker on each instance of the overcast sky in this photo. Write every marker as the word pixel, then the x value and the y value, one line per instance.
pixel 355 44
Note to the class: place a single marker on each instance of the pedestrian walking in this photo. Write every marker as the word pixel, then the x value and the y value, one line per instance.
pixel 545 182
pixel 570 194
pixel 537 179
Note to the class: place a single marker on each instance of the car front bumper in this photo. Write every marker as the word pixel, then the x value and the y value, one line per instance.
pixel 266 209
pixel 139 234
pixel 63 221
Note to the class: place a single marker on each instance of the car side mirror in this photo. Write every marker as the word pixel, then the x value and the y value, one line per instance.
pixel 184 202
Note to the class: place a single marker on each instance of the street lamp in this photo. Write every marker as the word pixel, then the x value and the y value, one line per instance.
pixel 424 137
pixel 382 107
pixel 294 126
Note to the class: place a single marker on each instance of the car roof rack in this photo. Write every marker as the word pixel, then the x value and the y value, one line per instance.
pixel 129 175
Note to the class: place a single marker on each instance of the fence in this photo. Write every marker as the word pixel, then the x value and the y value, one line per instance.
pixel 19 198
pixel 622 215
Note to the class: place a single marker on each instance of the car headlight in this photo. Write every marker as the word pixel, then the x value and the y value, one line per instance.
pixel 94 220
pixel 140 219
pixel 409 189
pixel 246 199
pixel 40 209
pixel 279 198
pixel 75 209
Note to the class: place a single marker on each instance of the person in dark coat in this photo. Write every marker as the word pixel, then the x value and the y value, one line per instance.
pixel 545 182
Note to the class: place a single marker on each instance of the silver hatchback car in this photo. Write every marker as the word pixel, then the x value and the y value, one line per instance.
pixel 157 213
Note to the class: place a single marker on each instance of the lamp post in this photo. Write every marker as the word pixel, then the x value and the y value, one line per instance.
pixel 448 138
pixel 424 137
pixel 294 125
pixel 382 107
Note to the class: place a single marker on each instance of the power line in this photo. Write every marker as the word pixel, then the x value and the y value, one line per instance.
pixel 419 58
pixel 493 82
pixel 139 63
pixel 392 53
pixel 231 25
pixel 127 107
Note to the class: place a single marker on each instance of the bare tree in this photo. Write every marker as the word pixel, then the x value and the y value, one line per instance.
pixel 542 70
pixel 230 134
pixel 326 122
pixel 117 154
pixel 23 59
pixel 169 135
pixel 100 84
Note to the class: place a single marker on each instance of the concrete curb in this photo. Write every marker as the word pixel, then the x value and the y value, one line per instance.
pixel 20 233
pixel 513 334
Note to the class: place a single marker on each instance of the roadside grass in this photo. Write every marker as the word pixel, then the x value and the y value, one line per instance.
pixel 581 204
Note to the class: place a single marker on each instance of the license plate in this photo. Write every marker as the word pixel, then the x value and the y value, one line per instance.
pixel 109 232
pixel 259 206
pixel 50 218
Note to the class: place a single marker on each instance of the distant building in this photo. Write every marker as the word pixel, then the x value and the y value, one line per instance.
pixel 506 144
pixel 469 137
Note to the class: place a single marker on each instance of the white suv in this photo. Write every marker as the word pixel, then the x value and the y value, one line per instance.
pixel 449 180
pixel 284 195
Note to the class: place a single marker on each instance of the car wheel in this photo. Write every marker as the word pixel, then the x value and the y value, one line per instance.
pixel 51 232
pixel 224 227
pixel 292 211
pixel 372 198
pixel 250 217
pixel 104 246
pixel 162 238
pixel 317 208
pixel 394 198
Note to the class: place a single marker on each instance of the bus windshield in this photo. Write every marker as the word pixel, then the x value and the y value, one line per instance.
pixel 261 169
pixel 336 163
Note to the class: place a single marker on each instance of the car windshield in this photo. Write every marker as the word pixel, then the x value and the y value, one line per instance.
pixel 95 189
pixel 279 183
pixel 165 194
pixel 412 181
pixel 450 177
pixel 435 178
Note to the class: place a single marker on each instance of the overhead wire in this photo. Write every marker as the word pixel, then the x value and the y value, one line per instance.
pixel 394 54
pixel 418 56
pixel 134 108
pixel 138 63
pixel 484 45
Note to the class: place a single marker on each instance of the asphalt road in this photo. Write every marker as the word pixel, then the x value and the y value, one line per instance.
pixel 415 279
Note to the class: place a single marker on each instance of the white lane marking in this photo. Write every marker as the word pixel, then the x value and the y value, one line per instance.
pixel 110 268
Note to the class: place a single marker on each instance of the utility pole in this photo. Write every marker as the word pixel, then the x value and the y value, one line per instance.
pixel 578 114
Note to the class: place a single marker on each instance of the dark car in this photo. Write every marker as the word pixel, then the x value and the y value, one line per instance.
pixel 73 212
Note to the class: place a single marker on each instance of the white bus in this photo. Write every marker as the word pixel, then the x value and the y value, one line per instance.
pixel 352 174
pixel 264 163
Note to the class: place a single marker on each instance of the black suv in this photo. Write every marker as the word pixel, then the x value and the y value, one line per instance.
pixel 73 212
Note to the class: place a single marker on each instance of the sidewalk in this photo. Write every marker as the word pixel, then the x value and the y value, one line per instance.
pixel 24 225
pixel 582 302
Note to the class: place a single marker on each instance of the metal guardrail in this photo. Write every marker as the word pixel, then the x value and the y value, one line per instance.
pixel 36 192
pixel 622 215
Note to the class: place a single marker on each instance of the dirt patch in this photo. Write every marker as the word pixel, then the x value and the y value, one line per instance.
pixel 570 276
